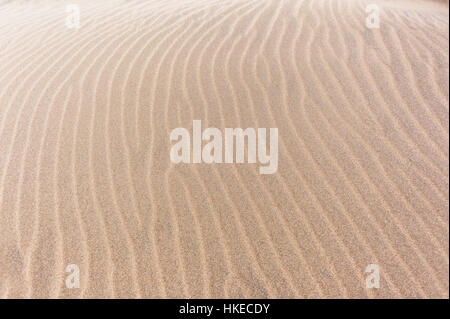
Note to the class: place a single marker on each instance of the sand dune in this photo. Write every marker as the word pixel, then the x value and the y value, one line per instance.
pixel 85 174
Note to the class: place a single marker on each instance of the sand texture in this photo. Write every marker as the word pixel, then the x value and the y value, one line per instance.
pixel 86 177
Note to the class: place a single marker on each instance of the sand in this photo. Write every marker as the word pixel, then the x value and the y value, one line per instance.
pixel 86 178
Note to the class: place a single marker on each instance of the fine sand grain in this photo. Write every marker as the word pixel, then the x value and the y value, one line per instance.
pixel 86 177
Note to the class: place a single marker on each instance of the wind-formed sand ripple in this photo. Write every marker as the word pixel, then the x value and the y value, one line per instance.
pixel 86 178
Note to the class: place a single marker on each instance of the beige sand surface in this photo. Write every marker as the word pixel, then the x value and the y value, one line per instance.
pixel 86 178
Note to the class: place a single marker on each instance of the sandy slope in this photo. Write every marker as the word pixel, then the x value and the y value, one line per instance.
pixel 85 174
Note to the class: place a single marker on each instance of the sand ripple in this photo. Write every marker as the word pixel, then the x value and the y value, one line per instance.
pixel 85 174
